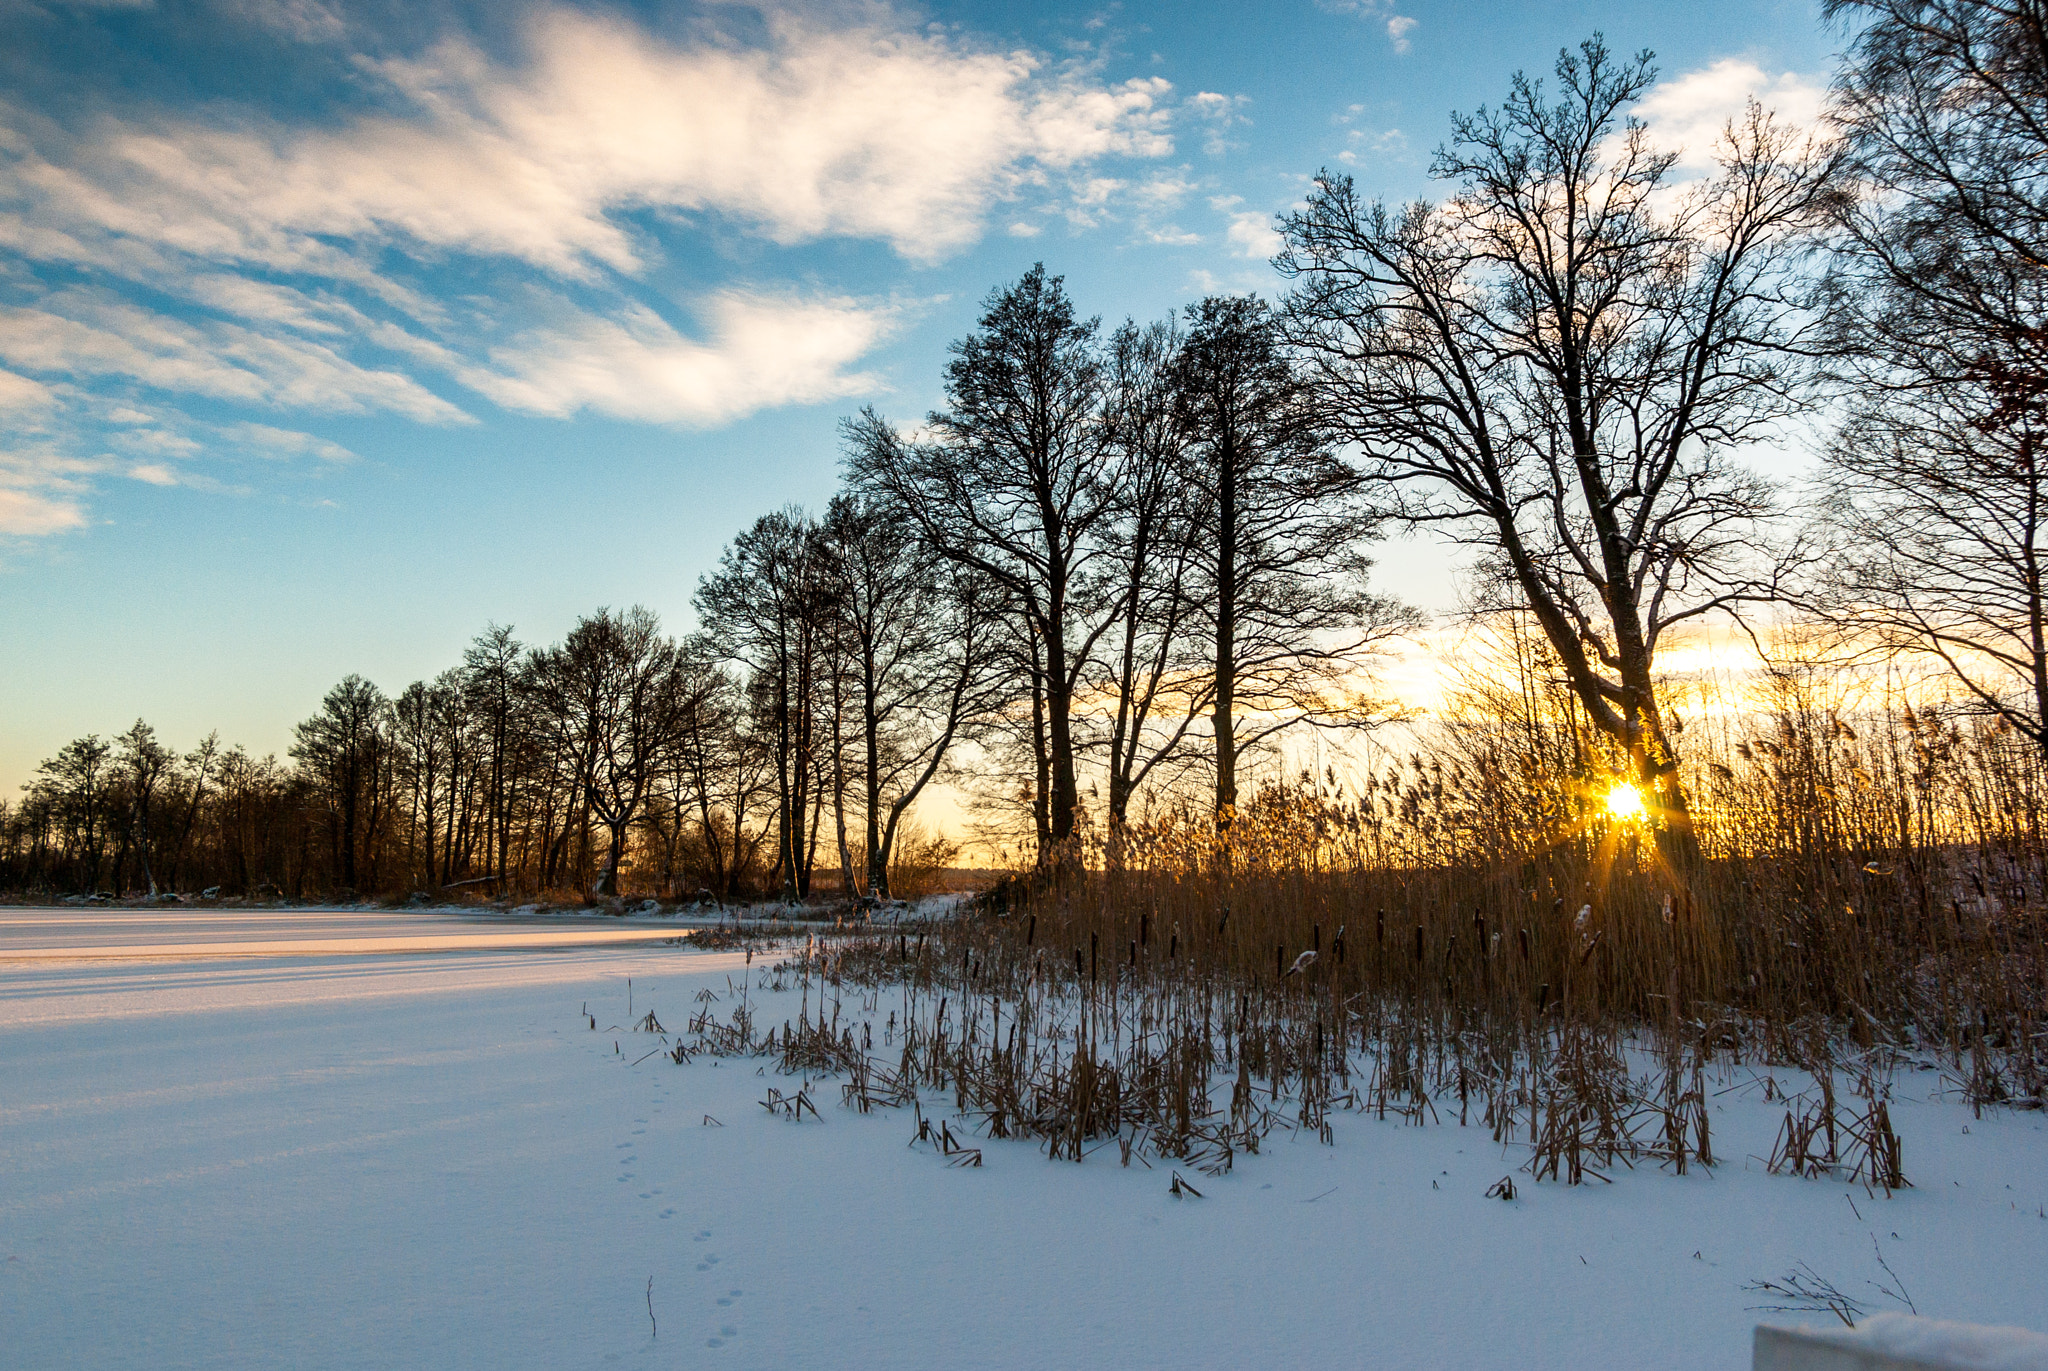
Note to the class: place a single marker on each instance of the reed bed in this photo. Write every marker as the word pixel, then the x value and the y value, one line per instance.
pixel 1471 934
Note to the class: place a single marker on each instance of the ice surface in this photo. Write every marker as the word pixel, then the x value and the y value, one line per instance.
pixel 317 1160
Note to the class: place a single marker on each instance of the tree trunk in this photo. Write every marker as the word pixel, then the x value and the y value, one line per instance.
pixel 1226 638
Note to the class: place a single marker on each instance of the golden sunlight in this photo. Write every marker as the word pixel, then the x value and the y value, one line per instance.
pixel 1625 802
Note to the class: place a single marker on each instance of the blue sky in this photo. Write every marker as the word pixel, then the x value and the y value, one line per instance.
pixel 329 333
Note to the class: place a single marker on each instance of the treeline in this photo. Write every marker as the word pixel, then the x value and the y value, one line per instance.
pixel 1119 564
pixel 1134 549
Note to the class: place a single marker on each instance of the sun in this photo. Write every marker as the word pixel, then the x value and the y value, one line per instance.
pixel 1625 802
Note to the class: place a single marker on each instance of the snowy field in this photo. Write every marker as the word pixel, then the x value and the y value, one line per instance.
pixel 392 1140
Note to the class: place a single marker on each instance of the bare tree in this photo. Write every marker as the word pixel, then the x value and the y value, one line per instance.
pixel 144 765
pixel 345 750
pixel 1556 363
pixel 422 743
pixel 1014 485
pixel 765 608
pixel 491 670
pixel 202 766
pixel 1940 517
pixel 917 658
pixel 72 788
pixel 722 766
pixel 1935 489
pixel 1280 529
pixel 1151 669
pixel 1943 107
pixel 620 691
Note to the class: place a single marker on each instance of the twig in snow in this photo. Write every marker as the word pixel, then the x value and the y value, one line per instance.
pixel 1897 1289
pixel 1806 1291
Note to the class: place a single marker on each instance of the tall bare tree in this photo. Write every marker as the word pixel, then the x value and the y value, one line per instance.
pixel 765 607
pixel 1151 669
pixel 917 656
pixel 1013 484
pixel 1936 488
pixel 1281 527
pixel 1556 363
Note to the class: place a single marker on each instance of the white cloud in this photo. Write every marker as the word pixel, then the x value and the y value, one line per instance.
pixel 39 493
pixel 21 393
pixel 32 514
pixel 304 259
pixel 1253 234
pixel 1688 114
pixel 91 334
pixel 156 441
pixel 764 351
pixel 1221 113
pixel 1398 26
pixel 858 130
pixel 267 441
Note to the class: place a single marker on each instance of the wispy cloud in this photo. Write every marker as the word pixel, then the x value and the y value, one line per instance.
pixel 487 217
pixel 632 364
pixel 1381 12
pixel 863 131
pixel 1220 114
pixel 87 334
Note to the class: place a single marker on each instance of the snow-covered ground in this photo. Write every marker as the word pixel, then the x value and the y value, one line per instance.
pixel 315 1157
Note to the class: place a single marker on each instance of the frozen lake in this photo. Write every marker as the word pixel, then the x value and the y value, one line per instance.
pixel 115 933
pixel 372 1139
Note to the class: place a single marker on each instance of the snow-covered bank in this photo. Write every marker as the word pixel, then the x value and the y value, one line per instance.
pixel 431 1160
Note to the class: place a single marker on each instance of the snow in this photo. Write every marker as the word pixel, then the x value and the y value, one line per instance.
pixel 1940 1343
pixel 390 1156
